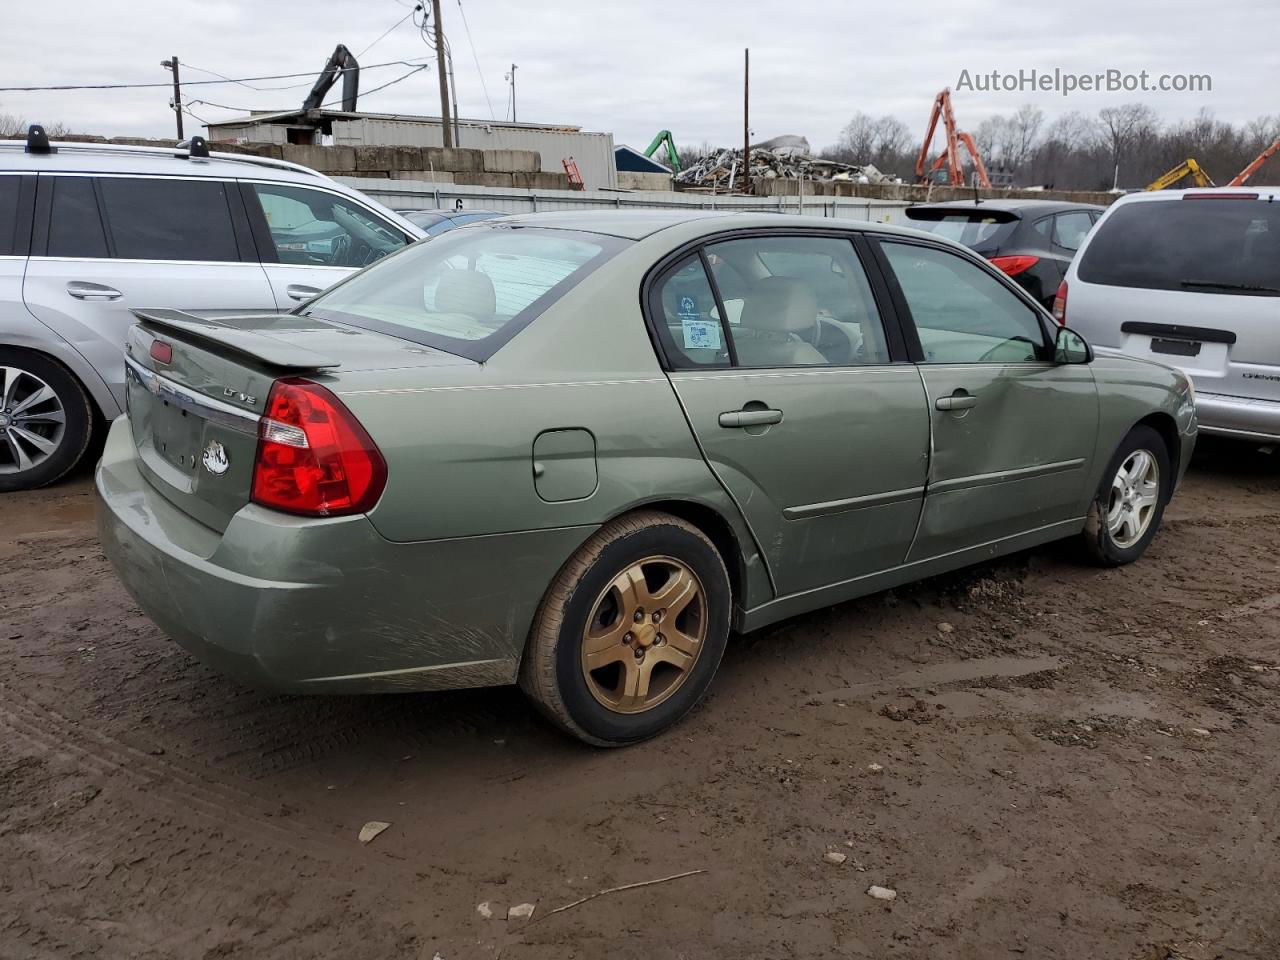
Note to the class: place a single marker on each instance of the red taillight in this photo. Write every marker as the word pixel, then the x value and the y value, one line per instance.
pixel 161 352
pixel 314 458
pixel 1060 304
pixel 1219 196
pixel 1014 265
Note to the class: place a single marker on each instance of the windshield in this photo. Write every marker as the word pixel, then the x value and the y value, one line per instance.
pixel 467 291
pixel 1216 244
pixel 980 231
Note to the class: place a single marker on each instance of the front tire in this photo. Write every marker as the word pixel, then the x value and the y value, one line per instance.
pixel 1129 505
pixel 46 420
pixel 630 632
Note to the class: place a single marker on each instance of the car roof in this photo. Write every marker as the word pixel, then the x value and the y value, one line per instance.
pixel 1010 205
pixel 1149 196
pixel 639 224
pixel 122 158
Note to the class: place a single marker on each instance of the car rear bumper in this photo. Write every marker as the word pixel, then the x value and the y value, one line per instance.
pixel 327 605
pixel 1238 417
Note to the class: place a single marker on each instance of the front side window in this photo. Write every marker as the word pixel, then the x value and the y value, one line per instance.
pixel 467 291
pixel 321 229
pixel 162 219
pixel 962 314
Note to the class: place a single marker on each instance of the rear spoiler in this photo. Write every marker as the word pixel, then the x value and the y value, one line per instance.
pixel 227 336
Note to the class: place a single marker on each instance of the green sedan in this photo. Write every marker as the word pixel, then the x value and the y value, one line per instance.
pixel 576 450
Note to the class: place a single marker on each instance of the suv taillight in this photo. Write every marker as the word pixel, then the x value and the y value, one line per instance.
pixel 314 459
pixel 1060 305
pixel 1014 265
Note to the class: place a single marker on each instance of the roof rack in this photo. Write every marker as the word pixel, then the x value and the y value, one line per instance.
pixel 196 148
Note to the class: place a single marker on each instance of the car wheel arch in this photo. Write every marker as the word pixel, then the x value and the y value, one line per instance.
pixel 97 391
pixel 1163 424
pixel 713 525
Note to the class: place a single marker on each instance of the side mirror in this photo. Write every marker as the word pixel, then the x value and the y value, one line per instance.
pixel 1070 347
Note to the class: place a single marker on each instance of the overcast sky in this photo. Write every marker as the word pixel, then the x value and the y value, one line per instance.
pixel 633 68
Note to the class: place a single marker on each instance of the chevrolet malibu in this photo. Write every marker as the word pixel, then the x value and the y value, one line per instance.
pixel 576 450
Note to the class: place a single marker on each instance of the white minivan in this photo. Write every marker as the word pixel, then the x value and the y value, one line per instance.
pixel 91 232
pixel 1190 278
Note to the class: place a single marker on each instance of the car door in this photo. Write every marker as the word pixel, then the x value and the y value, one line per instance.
pixel 105 245
pixel 310 238
pixel 800 398
pixel 1013 433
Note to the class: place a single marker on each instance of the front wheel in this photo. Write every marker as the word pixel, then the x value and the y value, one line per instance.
pixel 631 631
pixel 1127 509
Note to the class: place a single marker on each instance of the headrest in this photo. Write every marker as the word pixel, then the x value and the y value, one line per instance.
pixel 780 303
pixel 466 291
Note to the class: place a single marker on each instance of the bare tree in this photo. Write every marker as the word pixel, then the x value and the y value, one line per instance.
pixel 1124 126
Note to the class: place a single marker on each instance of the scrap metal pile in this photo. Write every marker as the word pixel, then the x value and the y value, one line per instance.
pixel 782 157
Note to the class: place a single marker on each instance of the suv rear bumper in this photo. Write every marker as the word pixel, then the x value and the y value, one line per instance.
pixel 1238 417
pixel 329 605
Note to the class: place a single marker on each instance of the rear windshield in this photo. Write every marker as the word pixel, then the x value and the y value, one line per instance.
pixel 1198 245
pixel 466 291
pixel 977 229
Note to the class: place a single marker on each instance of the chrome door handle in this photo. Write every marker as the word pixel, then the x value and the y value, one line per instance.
pixel 300 291
pixel 83 290
pixel 957 401
pixel 750 418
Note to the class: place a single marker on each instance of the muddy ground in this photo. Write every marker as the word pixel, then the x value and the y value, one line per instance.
pixel 1042 759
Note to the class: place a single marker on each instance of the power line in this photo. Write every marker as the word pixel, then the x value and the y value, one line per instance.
pixel 404 76
pixel 476 58
pixel 192 83
pixel 384 34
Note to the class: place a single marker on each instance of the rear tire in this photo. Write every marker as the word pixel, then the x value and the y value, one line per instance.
pixel 46 420
pixel 1130 501
pixel 630 632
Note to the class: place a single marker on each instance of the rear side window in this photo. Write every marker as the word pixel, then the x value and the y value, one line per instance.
pixel 1069 229
pixel 75 228
pixel 8 214
pixel 1196 245
pixel 161 219
pixel 467 291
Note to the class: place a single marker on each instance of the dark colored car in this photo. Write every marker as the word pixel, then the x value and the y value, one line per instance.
pixel 1032 241
pixel 438 221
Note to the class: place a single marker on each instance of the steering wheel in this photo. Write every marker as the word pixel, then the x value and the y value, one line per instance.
pixel 835 341
pixel 341 248
pixel 992 355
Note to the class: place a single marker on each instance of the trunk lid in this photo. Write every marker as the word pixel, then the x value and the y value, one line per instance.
pixel 196 399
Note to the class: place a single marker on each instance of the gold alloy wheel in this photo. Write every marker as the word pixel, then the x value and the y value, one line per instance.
pixel 645 635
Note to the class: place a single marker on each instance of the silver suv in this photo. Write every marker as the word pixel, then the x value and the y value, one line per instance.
pixel 1190 278
pixel 90 232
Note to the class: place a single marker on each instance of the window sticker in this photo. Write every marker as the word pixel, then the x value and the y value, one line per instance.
pixel 699 333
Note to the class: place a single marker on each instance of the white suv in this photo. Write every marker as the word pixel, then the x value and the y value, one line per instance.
pixel 1190 278
pixel 91 232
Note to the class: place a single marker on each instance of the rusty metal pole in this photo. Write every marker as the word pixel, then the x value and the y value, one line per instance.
pixel 746 121
pixel 442 70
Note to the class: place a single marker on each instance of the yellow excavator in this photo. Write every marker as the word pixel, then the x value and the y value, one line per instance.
pixel 1186 168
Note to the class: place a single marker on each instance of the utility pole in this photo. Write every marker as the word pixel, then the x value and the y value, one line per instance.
pixel 442 70
pixel 746 119
pixel 512 77
pixel 453 88
pixel 172 64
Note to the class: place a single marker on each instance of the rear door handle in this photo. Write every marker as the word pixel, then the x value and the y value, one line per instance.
pixel 300 291
pixel 957 401
pixel 83 290
pixel 750 418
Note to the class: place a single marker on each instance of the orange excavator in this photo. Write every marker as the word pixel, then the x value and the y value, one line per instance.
pixel 950 156
pixel 1252 168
